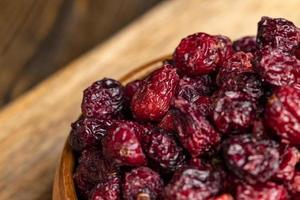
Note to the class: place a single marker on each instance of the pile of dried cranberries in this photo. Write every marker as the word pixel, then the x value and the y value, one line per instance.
pixel 218 121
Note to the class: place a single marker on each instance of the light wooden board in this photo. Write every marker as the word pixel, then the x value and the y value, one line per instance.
pixel 33 128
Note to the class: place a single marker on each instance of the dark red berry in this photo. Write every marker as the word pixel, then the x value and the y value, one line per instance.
pixel 192 183
pixel 278 68
pixel 87 132
pixel 265 191
pixel 223 197
pixel 195 132
pixel 294 185
pixel 278 33
pixel 167 122
pixel 197 54
pixel 107 190
pixel 163 150
pixel 122 144
pixel 92 168
pixel 191 88
pixel 248 83
pixel 282 114
pixel 131 88
pixel 103 99
pixel 234 112
pixel 259 131
pixel 142 183
pixel 289 158
pixel 250 159
pixel 239 63
pixel 152 100
pixel 246 44
pixel 225 48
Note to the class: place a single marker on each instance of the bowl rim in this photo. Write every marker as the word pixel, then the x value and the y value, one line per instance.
pixel 63 185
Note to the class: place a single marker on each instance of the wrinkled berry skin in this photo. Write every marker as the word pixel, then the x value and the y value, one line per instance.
pixel 87 132
pixel 122 144
pixel 266 191
pixel 283 114
pixel 103 99
pixel 131 88
pixel 92 168
pixel 239 63
pixel 191 88
pixel 108 190
pixel 234 112
pixel 192 183
pixel 225 48
pixel 195 132
pixel 289 158
pixel 167 121
pixel 277 33
pixel 294 185
pixel 142 182
pixel 197 54
pixel 246 44
pixel 163 150
pixel 278 68
pixel 152 100
pixel 251 160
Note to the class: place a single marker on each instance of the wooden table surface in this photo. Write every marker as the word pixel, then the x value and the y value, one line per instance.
pixel 35 126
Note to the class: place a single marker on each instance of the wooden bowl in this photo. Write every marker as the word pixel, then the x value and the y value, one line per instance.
pixel 63 187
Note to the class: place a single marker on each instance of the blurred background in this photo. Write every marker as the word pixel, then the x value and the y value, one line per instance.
pixel 38 37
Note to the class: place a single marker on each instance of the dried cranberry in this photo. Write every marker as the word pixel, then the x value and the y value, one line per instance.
pixel 294 185
pixel 259 130
pixel 234 112
pixel 92 168
pixel 197 54
pixel 142 183
pixel 251 160
pixel 246 44
pixel 278 68
pixel 122 144
pixel 289 158
pixel 191 88
pixel 195 132
pixel 223 197
pixel 131 88
pixel 152 100
pixel 225 48
pixel 167 122
pixel 87 132
pixel 163 150
pixel 192 183
pixel 278 33
pixel 265 191
pixel 107 190
pixel 103 99
pixel 240 62
pixel 282 114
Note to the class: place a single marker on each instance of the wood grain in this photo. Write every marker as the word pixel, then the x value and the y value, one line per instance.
pixel 37 36
pixel 33 128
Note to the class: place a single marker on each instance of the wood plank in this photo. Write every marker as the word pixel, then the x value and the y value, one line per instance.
pixel 34 127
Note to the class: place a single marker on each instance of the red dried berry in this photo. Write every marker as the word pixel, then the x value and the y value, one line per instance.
pixel 167 122
pixel 107 190
pixel 103 99
pixel 163 151
pixel 191 88
pixel 203 105
pixel 294 185
pixel 248 83
pixel 282 114
pixel 246 44
pixel 225 48
pixel 278 33
pixel 92 169
pixel 251 160
pixel 197 54
pixel 289 158
pixel 122 144
pixel 234 112
pixel 259 130
pixel 223 197
pixel 130 89
pixel 239 63
pixel 87 132
pixel 265 191
pixel 195 132
pixel 142 183
pixel 278 68
pixel 152 100
pixel 192 183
